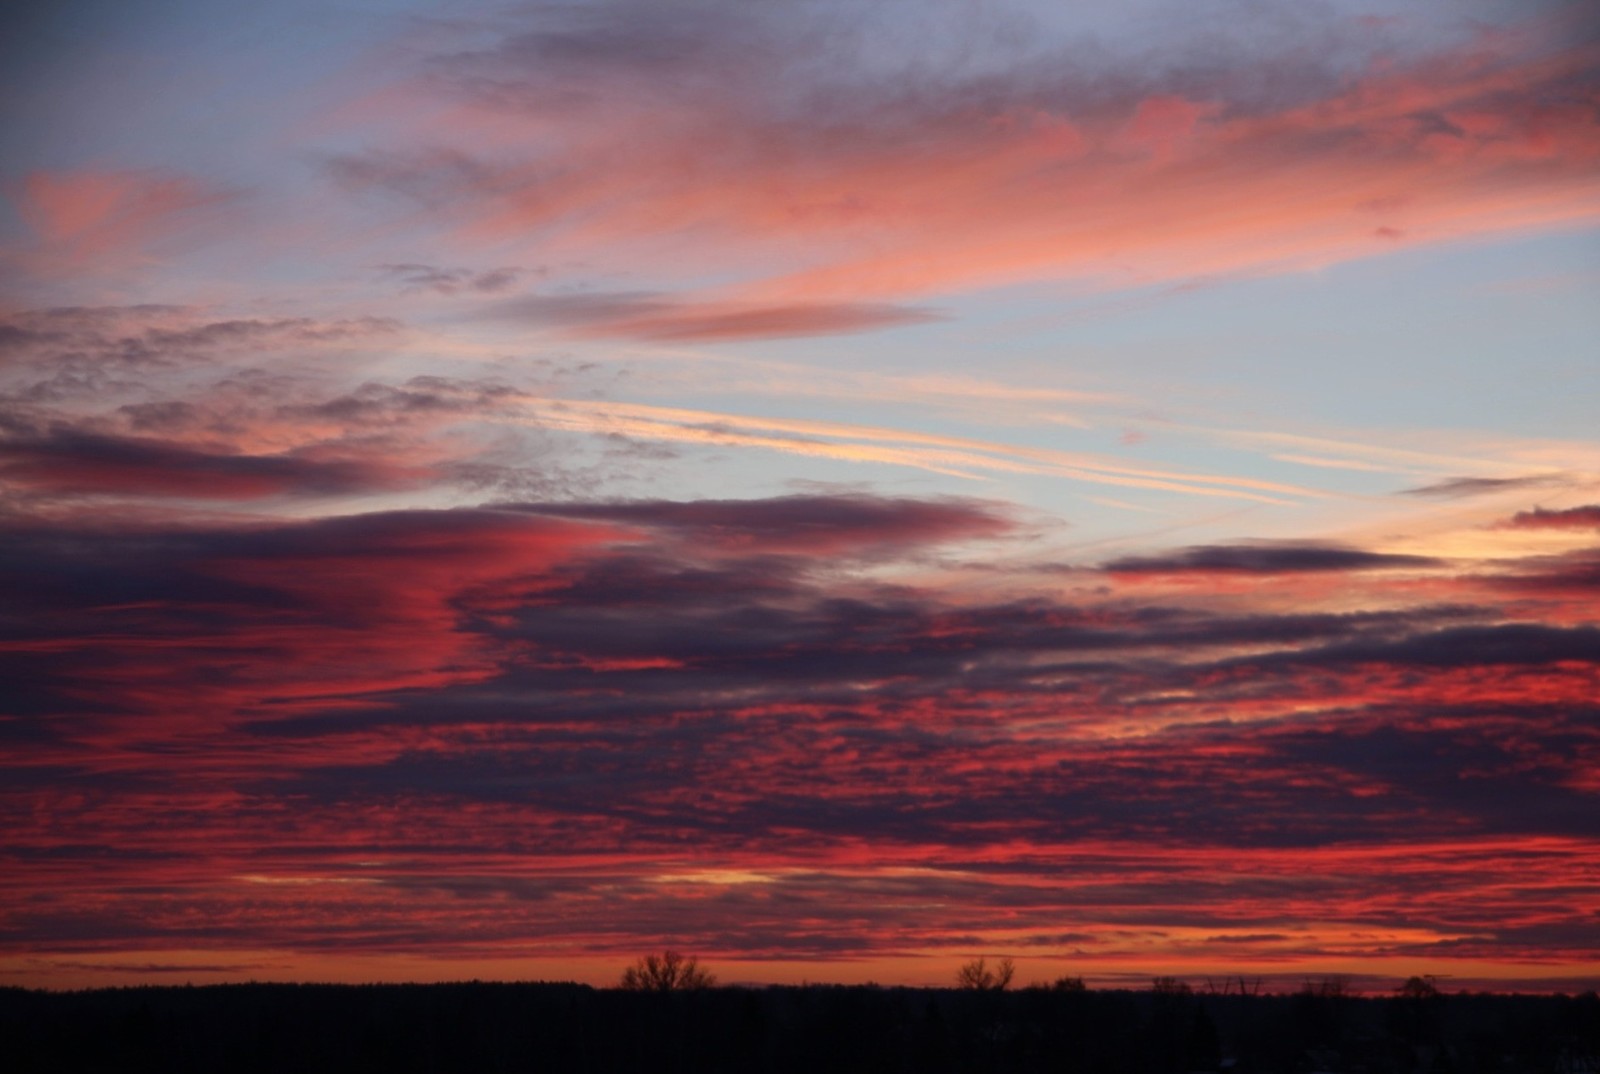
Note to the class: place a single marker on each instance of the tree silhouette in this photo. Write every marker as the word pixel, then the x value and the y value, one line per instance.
pixel 1419 987
pixel 1170 986
pixel 977 976
pixel 666 972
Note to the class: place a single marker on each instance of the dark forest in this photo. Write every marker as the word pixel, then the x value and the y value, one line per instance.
pixel 493 1027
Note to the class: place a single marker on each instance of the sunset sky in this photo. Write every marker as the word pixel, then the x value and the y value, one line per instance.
pixel 837 487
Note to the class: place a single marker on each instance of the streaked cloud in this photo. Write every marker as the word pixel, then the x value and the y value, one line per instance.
pixel 837 487
pixel 847 742
pixel 121 218
pixel 888 188
pixel 1266 559
pixel 648 316
pixel 1461 487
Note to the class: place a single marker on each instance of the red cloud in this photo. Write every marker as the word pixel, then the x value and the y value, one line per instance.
pixel 447 731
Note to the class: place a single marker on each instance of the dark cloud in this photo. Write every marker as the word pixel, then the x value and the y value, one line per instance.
pixel 1456 764
pixel 379 404
pixel 1266 559
pixel 146 333
pixel 1462 487
pixel 432 178
pixel 1575 518
pixel 143 968
pixel 1463 647
pixel 812 524
pixel 832 65
pixel 162 401
pixel 381 720
pixel 415 277
pixel 162 416
pixel 578 309
pixel 1575 574
pixel 53 355
pixel 66 462
pixel 577 56
pixel 668 634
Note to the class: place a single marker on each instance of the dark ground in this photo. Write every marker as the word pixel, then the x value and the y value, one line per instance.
pixel 573 1028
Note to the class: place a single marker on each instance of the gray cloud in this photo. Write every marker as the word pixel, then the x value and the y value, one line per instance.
pixel 1263 558
pixel 1463 487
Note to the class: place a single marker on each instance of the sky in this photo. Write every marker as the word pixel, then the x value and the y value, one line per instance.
pixel 835 487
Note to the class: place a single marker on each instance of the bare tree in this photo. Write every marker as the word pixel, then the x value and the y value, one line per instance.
pixel 1328 988
pixel 666 972
pixel 1170 986
pixel 977 975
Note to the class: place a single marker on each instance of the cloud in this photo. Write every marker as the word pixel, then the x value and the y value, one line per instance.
pixel 1266 559
pixel 769 322
pixel 156 967
pixel 848 176
pixel 69 462
pixel 814 525
pixel 1463 487
pixel 70 354
pixel 415 277
pixel 95 217
pixel 485 721
pixel 1466 646
pixel 177 401
pixel 182 621
pixel 260 688
pixel 1575 518
pixel 646 315
pixel 1575 575
pixel 955 456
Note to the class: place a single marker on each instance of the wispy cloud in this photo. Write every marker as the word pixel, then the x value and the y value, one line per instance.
pixel 955 456
pixel 1266 559
pixel 650 317
pixel 1462 487
pixel 122 218
pixel 889 189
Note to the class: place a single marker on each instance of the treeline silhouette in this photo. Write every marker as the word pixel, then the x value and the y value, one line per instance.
pixel 491 1027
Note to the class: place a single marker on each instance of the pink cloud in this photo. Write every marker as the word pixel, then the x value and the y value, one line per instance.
pixel 87 215
pixel 1165 126
pixel 890 201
